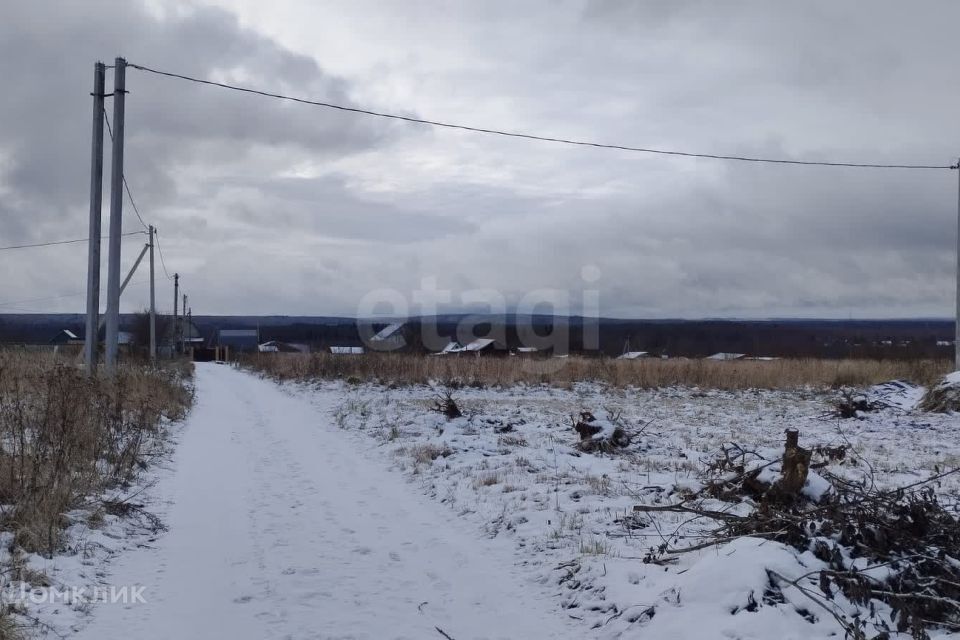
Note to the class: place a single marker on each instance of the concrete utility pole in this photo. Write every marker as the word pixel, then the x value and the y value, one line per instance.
pixel 956 336
pixel 175 333
pixel 93 245
pixel 189 320
pixel 116 218
pixel 153 303
pixel 186 327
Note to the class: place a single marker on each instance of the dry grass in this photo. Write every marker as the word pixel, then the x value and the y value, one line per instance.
pixel 427 453
pixel 65 436
pixel 487 479
pixel 644 374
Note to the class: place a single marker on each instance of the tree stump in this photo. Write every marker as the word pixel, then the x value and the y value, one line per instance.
pixel 796 466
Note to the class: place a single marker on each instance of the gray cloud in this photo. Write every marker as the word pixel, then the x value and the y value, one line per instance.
pixel 279 208
pixel 48 114
pixel 325 207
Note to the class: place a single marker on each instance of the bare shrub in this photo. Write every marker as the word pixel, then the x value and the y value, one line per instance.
pixel 452 371
pixel 446 405
pixel 65 436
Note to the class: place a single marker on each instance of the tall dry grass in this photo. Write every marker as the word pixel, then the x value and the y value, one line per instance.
pixel 650 373
pixel 65 436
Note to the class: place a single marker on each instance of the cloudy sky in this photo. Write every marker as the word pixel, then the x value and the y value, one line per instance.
pixel 267 207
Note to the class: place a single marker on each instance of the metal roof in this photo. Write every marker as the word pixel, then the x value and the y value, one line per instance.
pixel 479 344
pixel 723 355
pixel 239 333
pixel 353 351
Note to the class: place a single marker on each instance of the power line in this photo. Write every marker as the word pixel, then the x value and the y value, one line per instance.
pixel 59 297
pixel 126 186
pixel 58 242
pixel 65 295
pixel 163 263
pixel 528 136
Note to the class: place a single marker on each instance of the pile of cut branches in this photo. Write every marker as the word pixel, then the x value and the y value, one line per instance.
pixel 853 404
pixel 600 435
pixel 898 547
pixel 944 397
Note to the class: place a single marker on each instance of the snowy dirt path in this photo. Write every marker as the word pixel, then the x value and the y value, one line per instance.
pixel 283 526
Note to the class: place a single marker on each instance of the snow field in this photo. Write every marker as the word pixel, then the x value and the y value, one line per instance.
pixel 511 467
pixel 334 510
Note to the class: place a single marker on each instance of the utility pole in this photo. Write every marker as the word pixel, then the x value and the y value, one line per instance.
pixel 956 336
pixel 189 319
pixel 116 217
pixel 186 328
pixel 153 303
pixel 93 245
pixel 174 336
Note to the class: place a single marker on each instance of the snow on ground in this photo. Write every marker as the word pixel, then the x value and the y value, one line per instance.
pixel 511 467
pixel 333 510
pixel 896 394
pixel 281 526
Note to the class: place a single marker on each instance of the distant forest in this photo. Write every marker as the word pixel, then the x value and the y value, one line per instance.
pixel 689 338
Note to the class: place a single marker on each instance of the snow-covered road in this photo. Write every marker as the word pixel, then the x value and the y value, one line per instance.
pixel 281 525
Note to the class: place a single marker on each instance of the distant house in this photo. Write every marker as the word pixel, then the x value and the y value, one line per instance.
pixel 275 346
pixel 452 347
pixel 478 346
pixel 239 339
pixel 66 337
pixel 526 351
pixel 723 355
pixel 347 351
pixel 633 355
pixel 484 346
pixel 191 334
pixel 389 338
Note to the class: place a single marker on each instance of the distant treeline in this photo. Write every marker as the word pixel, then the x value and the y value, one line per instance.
pixel 795 339
pixel 689 338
